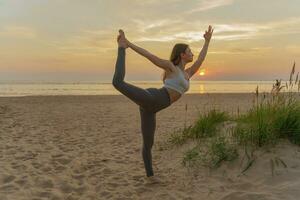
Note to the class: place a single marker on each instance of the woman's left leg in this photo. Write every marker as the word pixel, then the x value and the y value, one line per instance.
pixel 148 124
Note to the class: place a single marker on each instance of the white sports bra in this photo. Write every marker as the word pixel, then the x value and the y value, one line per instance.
pixel 177 82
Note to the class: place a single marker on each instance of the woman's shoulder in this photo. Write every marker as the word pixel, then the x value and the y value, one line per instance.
pixel 173 68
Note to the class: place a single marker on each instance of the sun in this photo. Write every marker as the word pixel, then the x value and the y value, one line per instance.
pixel 202 72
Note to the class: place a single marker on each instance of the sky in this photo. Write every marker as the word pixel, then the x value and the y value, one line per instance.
pixel 75 40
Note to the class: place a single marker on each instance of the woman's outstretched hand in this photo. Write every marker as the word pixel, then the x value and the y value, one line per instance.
pixel 122 41
pixel 207 35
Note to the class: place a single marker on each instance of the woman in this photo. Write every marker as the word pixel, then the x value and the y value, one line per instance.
pixel 151 100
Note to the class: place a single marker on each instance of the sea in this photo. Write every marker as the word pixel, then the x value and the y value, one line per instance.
pixel 10 89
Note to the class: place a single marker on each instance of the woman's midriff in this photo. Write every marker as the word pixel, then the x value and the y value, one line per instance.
pixel 174 95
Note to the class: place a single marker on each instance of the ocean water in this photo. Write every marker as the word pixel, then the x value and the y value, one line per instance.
pixel 106 88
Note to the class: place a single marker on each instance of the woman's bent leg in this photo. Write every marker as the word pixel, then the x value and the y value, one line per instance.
pixel 138 95
pixel 148 124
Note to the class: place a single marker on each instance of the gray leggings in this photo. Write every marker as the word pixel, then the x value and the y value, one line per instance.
pixel 150 101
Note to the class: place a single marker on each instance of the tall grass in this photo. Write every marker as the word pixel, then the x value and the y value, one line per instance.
pixel 273 116
pixel 256 127
pixel 205 126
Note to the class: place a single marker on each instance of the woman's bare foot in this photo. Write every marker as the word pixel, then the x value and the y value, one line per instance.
pixel 122 41
pixel 154 180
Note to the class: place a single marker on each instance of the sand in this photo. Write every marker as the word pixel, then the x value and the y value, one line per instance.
pixel 89 147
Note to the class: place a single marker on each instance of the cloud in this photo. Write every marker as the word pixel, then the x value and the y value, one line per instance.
pixel 286 26
pixel 193 36
pixel 243 50
pixel 294 49
pixel 156 39
pixel 153 2
pixel 92 42
pixel 251 31
pixel 88 42
pixel 176 29
pixel 209 4
pixel 154 25
pixel 168 30
pixel 18 32
pixel 165 30
pixel 190 36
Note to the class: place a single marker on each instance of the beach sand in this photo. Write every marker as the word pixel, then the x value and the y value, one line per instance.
pixel 89 147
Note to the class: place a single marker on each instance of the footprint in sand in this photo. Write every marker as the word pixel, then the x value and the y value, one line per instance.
pixel 44 183
pixel 44 194
pixel 57 155
pixel 8 189
pixel 22 182
pixel 49 148
pixel 78 177
pixel 59 168
pixel 246 196
pixel 243 186
pixel 65 187
pixel 141 189
pixel 3 109
pixel 61 158
pixel 164 195
pixel 112 185
pixel 105 194
pixel 63 161
pixel 7 178
pixel 46 168
pixel 36 165
pixel 95 174
pixel 80 190
pixel 107 171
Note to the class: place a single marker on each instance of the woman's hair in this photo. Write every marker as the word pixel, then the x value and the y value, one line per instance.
pixel 175 57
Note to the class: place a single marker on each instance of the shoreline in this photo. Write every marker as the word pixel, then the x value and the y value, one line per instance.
pixel 107 95
pixel 114 95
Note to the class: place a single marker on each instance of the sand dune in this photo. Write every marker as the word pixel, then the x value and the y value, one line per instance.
pixel 89 147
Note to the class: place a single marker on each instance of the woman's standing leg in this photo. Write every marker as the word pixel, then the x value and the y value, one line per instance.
pixel 148 124
pixel 138 95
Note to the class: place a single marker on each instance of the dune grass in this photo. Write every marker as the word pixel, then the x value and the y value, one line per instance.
pixel 206 124
pixel 210 154
pixel 204 127
pixel 272 117
pixel 268 122
pixel 180 136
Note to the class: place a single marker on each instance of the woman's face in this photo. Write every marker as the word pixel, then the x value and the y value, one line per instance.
pixel 187 56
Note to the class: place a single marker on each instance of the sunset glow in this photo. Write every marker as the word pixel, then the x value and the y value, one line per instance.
pixel 76 40
pixel 202 72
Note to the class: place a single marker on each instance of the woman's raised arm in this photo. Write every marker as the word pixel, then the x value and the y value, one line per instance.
pixel 194 68
pixel 162 63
